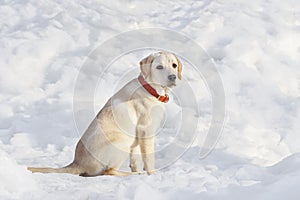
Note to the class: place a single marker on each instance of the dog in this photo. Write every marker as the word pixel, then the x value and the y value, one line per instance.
pixel 127 124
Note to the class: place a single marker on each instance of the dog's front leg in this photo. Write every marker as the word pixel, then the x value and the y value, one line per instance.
pixel 147 150
pixel 145 135
pixel 135 158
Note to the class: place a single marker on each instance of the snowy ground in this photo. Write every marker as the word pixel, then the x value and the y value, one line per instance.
pixel 256 48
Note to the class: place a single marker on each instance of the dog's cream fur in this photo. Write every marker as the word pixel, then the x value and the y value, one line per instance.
pixel 126 124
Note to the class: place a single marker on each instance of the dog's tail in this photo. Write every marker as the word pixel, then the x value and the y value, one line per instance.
pixel 71 169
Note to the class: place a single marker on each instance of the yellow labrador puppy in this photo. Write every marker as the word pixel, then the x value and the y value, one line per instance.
pixel 127 123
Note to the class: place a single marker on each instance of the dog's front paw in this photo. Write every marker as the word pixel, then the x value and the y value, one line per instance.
pixel 137 173
pixel 151 172
pixel 135 169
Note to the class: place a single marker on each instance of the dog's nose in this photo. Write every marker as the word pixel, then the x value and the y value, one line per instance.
pixel 172 77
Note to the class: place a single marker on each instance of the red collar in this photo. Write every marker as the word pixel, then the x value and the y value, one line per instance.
pixel 152 91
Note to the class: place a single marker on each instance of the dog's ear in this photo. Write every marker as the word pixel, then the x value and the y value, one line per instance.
pixel 145 65
pixel 179 68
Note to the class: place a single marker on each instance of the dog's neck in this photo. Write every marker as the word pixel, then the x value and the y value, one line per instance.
pixel 159 89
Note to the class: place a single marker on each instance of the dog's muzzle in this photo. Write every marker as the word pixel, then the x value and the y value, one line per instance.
pixel 172 77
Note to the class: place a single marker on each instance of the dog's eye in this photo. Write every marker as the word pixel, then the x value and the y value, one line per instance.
pixel 159 67
pixel 174 65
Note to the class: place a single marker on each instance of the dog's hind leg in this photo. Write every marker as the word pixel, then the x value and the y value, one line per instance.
pixel 114 172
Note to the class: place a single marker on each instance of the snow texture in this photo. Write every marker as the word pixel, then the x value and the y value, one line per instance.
pixel 255 46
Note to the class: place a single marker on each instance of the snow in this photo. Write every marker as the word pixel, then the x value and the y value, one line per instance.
pixel 255 46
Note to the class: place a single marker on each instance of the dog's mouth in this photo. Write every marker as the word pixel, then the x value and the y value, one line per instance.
pixel 171 84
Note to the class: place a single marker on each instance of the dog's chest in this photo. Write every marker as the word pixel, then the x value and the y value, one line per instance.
pixel 128 115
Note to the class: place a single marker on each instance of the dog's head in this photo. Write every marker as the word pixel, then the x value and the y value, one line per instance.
pixel 161 68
